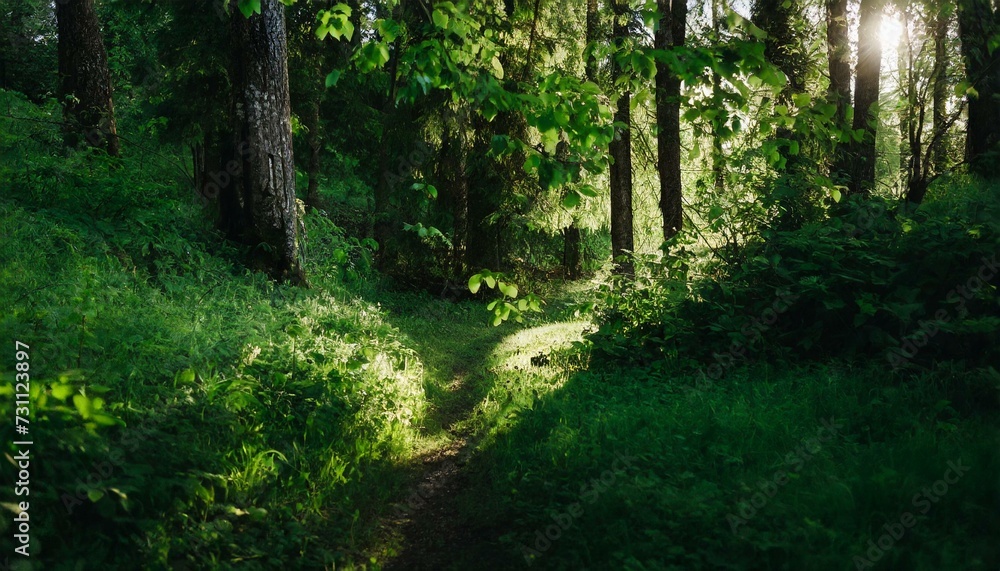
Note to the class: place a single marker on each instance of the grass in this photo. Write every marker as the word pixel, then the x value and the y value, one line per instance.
pixel 701 458
pixel 188 414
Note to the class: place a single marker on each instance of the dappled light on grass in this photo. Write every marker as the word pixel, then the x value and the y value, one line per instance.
pixel 532 346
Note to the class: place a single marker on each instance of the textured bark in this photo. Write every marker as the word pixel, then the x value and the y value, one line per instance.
pixel 263 135
pixel 670 33
pixel 718 158
pixel 839 55
pixel 866 93
pixel 620 149
pixel 839 64
pixel 572 262
pixel 84 80
pixel 782 46
pixel 453 159
pixel 977 22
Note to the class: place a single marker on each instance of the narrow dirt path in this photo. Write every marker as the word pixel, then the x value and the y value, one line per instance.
pixel 426 530
pixel 429 529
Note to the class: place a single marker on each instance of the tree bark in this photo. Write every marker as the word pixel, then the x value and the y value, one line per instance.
pixel 839 63
pixel 670 34
pixel 263 135
pixel 718 157
pixel 620 149
pixel 977 23
pixel 866 94
pixel 84 79
pixel 454 150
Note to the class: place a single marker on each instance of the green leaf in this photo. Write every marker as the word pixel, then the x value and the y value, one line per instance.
pixel 440 19
pixel 82 405
pixel 510 290
pixel 490 281
pixel 332 78
pixel 475 282
pixel 62 392
pixel 185 377
pixel 836 195
pixel 572 199
pixel 249 7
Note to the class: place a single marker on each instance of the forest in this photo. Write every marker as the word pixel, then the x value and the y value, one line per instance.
pixel 512 284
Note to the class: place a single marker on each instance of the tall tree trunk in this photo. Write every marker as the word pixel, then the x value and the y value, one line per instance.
pixel 454 150
pixel 718 158
pixel 839 55
pixel 669 34
pixel 620 149
pixel 866 93
pixel 939 89
pixel 977 23
pixel 84 79
pixel 839 58
pixel 263 135
pixel 572 260
pixel 782 46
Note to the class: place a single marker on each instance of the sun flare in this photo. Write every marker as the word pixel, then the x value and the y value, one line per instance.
pixel 890 31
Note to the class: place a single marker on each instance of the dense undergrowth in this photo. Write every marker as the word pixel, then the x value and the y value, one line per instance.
pixel 788 407
pixel 186 412
pixel 824 398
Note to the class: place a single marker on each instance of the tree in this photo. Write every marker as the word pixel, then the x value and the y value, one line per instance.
pixel 571 233
pixel 670 34
pixel 84 79
pixel 620 149
pixel 265 184
pixel 839 56
pixel 867 76
pixel 978 25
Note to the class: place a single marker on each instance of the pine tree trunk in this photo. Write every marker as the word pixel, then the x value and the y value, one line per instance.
pixel 670 33
pixel 453 150
pixel 572 243
pixel 718 158
pixel 866 93
pixel 839 55
pixel 84 79
pixel 620 150
pixel 266 181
